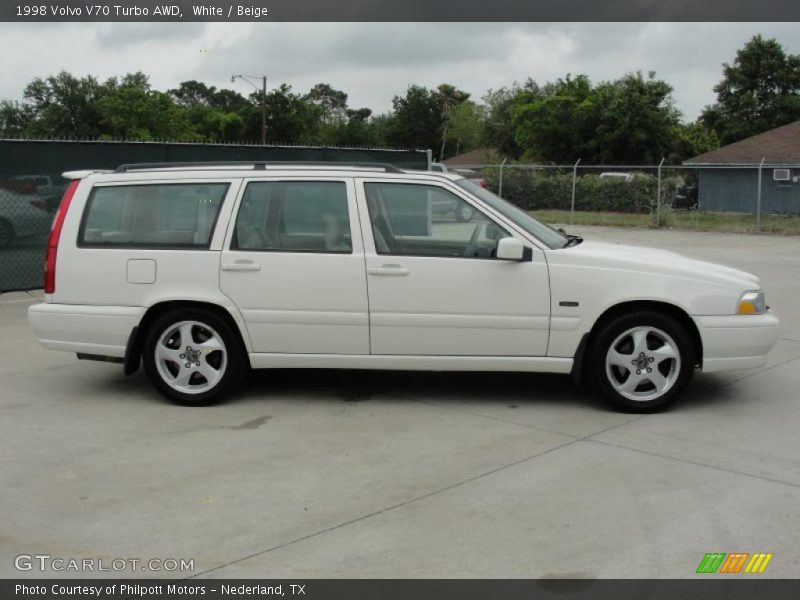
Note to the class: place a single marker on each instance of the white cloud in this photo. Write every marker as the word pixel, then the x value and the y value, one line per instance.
pixel 374 61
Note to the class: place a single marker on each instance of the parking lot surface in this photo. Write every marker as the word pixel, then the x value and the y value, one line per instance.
pixel 376 474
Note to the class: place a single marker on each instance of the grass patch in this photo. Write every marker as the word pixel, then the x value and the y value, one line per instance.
pixel 679 219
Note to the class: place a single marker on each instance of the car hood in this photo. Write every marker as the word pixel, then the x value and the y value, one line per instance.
pixel 653 260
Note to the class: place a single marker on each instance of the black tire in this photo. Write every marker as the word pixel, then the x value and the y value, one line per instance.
pixel 601 374
pixel 6 234
pixel 234 356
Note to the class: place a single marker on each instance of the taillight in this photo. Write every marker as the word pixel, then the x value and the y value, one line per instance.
pixel 55 235
pixel 482 183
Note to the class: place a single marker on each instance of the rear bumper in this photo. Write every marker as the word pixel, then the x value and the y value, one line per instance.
pixel 99 330
pixel 737 341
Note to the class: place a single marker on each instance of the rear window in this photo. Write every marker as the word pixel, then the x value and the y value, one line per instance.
pixel 152 216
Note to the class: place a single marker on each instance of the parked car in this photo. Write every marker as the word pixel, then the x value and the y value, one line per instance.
pixel 471 175
pixel 22 215
pixel 687 197
pixel 42 185
pixel 204 271
pixel 626 177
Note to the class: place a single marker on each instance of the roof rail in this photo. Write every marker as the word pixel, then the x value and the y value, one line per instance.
pixel 257 165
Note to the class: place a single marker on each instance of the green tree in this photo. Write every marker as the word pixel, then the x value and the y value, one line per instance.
pixel 332 103
pixel 498 131
pixel 465 126
pixel 357 130
pixel 692 140
pixel 758 92
pixel 14 118
pixel 550 123
pixel 379 127
pixel 416 121
pixel 214 115
pixel 448 97
pixel 130 109
pixel 64 106
pixel 291 118
pixel 631 120
pixel 193 93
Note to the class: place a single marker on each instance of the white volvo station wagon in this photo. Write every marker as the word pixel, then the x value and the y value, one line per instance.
pixel 201 271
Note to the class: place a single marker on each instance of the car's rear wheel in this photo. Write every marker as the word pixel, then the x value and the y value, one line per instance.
pixel 643 361
pixel 193 357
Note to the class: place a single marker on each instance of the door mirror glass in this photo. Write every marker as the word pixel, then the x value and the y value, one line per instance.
pixel 512 249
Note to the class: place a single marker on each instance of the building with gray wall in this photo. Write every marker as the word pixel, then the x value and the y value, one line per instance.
pixel 728 176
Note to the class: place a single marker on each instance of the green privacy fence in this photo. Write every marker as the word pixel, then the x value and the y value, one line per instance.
pixel 31 185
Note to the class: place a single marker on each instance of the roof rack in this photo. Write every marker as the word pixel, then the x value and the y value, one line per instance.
pixel 257 165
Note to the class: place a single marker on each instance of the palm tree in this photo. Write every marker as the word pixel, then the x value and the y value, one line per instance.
pixel 449 97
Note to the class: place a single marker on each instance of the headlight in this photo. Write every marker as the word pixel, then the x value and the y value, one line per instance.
pixel 752 303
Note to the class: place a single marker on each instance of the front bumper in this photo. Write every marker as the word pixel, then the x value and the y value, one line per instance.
pixel 737 341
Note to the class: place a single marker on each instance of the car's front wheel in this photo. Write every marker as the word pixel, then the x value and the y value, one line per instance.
pixel 642 362
pixel 192 356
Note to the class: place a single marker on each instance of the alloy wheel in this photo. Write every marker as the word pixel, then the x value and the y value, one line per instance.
pixel 643 363
pixel 191 357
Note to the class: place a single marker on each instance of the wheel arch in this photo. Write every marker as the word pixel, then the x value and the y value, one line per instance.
pixel 133 351
pixel 676 312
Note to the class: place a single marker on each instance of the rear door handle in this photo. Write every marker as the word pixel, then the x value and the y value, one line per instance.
pixel 241 265
pixel 388 271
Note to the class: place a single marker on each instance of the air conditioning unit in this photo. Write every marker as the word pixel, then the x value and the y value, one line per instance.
pixel 782 174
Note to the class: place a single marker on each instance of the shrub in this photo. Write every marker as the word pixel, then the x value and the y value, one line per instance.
pixel 540 189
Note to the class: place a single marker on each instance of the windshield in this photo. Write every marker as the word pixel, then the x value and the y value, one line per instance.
pixel 539 230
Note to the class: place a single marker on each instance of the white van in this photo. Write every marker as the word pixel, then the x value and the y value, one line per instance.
pixel 201 271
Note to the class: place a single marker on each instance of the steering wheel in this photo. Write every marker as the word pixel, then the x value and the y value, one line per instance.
pixel 472 247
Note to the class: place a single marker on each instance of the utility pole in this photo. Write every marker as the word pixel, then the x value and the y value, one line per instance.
pixel 658 194
pixel 263 90
pixel 574 183
pixel 758 198
pixel 263 110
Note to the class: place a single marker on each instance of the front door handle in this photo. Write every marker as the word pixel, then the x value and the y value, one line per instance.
pixel 388 271
pixel 241 265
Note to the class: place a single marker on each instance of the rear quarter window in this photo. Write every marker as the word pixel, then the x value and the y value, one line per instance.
pixel 152 215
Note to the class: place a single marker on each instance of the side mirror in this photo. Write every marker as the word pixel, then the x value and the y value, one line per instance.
pixel 510 248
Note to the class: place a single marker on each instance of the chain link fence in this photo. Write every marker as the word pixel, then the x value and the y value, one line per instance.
pixel 741 198
pixel 31 185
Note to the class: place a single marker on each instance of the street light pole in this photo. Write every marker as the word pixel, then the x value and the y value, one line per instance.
pixel 264 110
pixel 263 90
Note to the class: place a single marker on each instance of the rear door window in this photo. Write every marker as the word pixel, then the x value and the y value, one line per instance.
pixel 152 215
pixel 294 216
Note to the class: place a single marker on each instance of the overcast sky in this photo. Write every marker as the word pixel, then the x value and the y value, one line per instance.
pixel 372 62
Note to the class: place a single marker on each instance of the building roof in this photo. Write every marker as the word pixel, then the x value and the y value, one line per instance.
pixel 481 156
pixel 779 146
